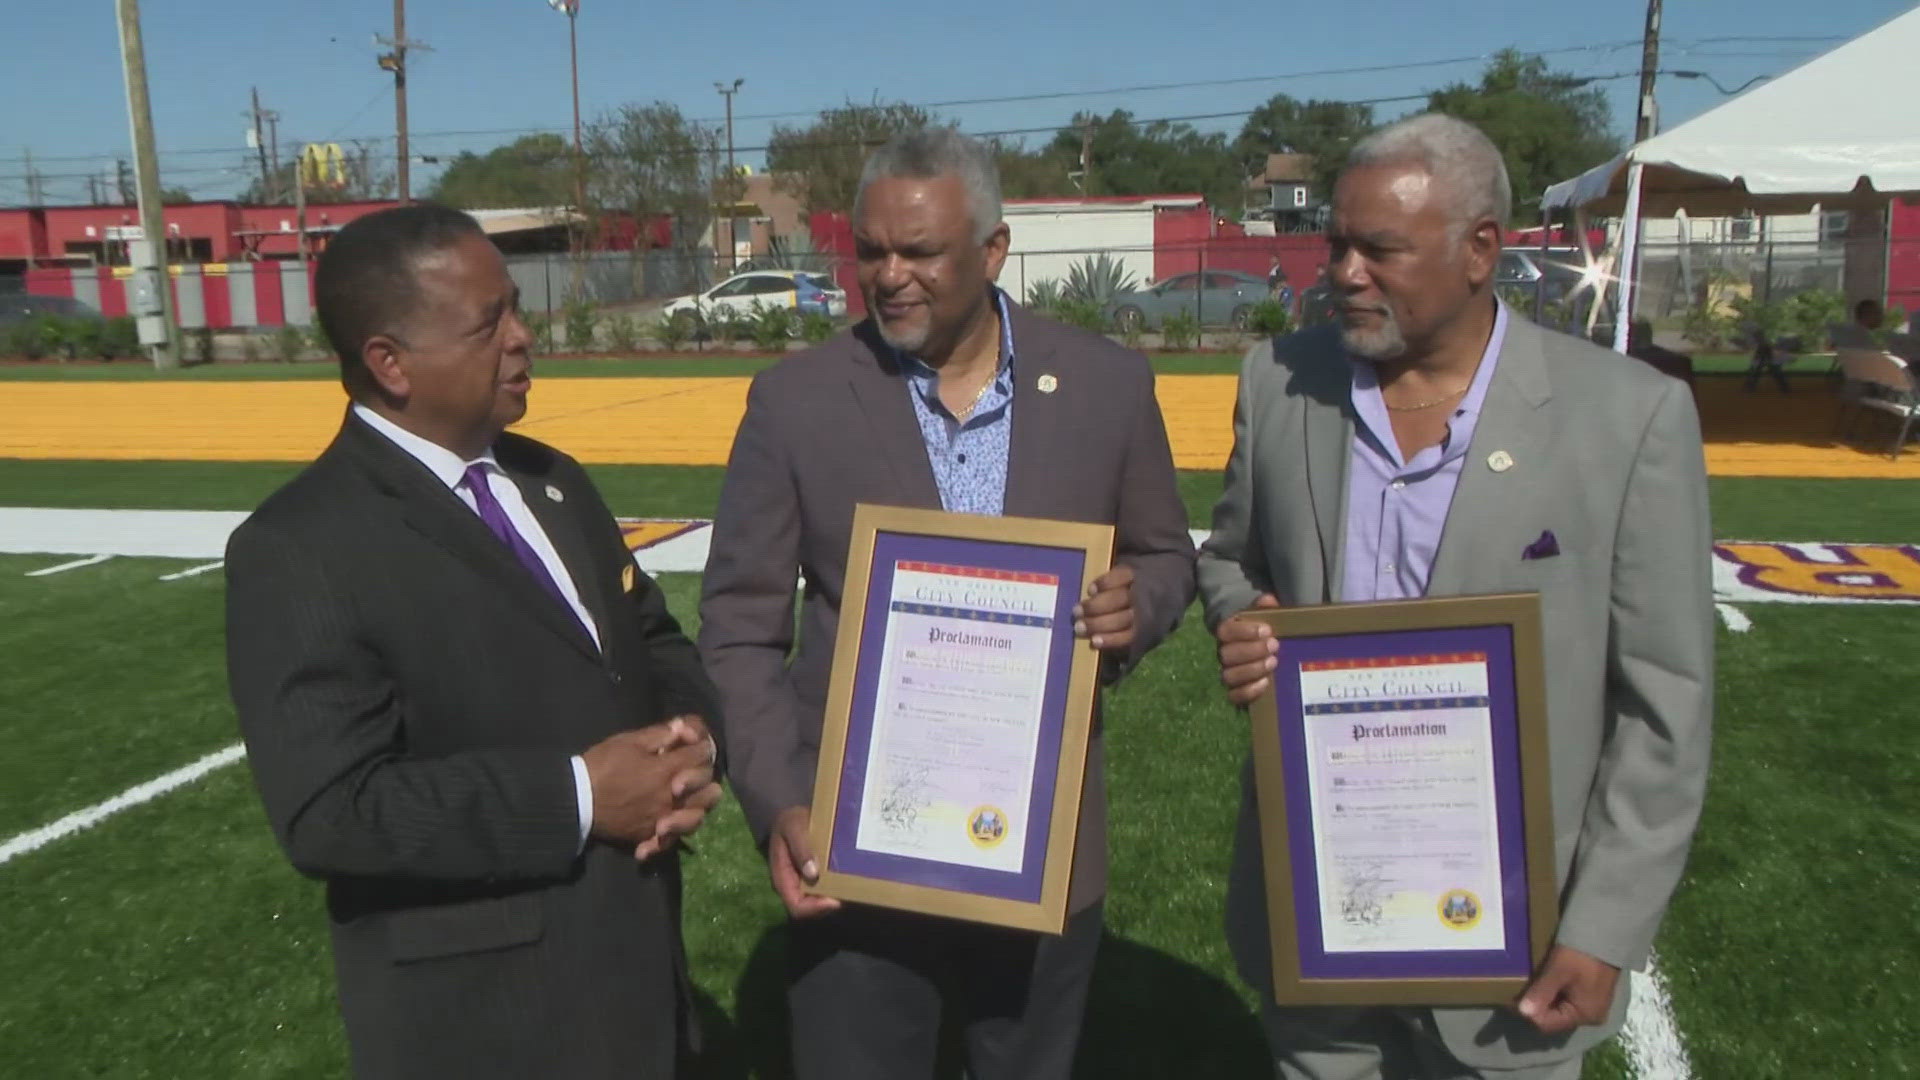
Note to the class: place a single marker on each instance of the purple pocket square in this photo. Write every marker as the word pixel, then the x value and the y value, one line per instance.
pixel 1544 548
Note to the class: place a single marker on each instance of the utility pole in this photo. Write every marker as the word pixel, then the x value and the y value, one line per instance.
pixel 1643 128
pixel 33 180
pixel 1085 178
pixel 151 296
pixel 733 248
pixel 396 62
pixel 123 179
pixel 300 202
pixel 93 190
pixel 273 147
pixel 260 146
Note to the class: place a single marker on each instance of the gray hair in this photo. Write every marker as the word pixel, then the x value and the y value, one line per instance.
pixel 935 152
pixel 1453 152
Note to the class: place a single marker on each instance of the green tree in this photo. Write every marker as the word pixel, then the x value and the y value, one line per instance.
pixel 1324 130
pixel 1548 125
pixel 533 170
pixel 820 164
pixel 649 161
pixel 1127 157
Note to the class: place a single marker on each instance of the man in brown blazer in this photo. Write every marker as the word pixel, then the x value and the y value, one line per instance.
pixel 948 396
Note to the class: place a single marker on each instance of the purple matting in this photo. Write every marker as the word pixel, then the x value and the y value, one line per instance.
pixel 845 856
pixel 1315 961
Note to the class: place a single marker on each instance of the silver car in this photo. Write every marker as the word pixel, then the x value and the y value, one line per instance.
pixel 1215 297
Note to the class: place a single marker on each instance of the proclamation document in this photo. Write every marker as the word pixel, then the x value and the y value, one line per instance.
pixel 1400 767
pixel 957 715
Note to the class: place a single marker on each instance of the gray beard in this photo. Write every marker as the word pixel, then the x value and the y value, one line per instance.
pixel 1384 343
pixel 910 342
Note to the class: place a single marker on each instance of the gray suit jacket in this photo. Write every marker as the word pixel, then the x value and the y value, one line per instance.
pixel 833 426
pixel 1606 454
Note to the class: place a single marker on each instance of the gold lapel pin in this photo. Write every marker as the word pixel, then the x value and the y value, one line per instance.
pixel 1499 461
pixel 554 494
pixel 1047 384
pixel 626 578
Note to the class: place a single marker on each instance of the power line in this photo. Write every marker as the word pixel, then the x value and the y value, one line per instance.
pixel 1370 69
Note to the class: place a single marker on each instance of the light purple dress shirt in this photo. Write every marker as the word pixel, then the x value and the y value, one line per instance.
pixel 1396 509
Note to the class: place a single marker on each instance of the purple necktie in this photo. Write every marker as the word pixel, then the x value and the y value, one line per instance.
pixel 496 518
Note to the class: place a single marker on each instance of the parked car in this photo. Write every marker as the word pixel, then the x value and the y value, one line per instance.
pixel 1557 273
pixel 19 307
pixel 1216 297
pixel 740 294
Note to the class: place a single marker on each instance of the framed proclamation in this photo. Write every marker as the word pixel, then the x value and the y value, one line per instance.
pixel 955 738
pixel 1400 760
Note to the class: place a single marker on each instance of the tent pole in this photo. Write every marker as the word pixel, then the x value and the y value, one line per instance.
pixel 1629 259
pixel 1540 283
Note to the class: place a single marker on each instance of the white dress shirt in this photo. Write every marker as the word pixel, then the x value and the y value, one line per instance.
pixel 446 466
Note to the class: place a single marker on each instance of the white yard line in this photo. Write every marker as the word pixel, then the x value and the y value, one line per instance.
pixel 1735 619
pixel 194 571
pixel 1650 1036
pixel 133 796
pixel 76 564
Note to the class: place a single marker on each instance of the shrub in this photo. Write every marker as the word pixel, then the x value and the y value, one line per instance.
pixel 770 327
pixel 250 348
pixel 816 327
pixel 119 337
pixel 1044 297
pixel 1180 331
pixel 26 339
pixel 1085 314
pixel 1269 318
pixel 1097 278
pixel 540 325
pixel 289 344
pixel 674 332
pixel 623 333
pixel 580 317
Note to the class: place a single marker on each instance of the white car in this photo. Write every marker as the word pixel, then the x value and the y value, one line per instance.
pixel 742 293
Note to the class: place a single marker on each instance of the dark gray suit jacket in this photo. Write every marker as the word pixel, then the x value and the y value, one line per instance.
pixel 833 426
pixel 1600 450
pixel 410 698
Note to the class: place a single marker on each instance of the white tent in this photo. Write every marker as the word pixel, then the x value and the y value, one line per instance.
pixel 1839 124
pixel 1837 131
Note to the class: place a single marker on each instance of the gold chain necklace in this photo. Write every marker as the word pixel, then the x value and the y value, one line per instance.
pixel 978 398
pixel 1424 404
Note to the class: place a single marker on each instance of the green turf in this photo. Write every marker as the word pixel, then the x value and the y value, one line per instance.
pixel 1744 508
pixel 1791 948
pixel 173 940
pixel 113 625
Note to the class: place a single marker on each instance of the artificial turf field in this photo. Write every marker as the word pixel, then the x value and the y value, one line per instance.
pixel 172 940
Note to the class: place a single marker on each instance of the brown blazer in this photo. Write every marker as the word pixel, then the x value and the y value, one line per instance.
pixel 834 426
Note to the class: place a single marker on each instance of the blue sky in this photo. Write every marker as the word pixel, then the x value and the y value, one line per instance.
pixel 500 66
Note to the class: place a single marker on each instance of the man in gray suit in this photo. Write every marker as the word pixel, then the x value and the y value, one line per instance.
pixel 949 396
pixel 1434 443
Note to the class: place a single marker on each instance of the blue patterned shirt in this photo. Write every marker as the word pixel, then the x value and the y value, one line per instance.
pixel 969 459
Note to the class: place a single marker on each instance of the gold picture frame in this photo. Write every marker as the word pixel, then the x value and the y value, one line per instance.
pixel 1520 615
pixel 1092 545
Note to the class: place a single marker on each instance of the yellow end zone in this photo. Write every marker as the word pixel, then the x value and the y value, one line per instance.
pixel 691 421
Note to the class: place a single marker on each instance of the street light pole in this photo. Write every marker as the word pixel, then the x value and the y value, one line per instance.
pixel 733 251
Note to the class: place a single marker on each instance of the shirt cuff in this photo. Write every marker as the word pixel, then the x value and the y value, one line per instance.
pixel 583 799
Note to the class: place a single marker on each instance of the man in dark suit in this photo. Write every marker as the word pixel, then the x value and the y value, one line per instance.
pixel 465 709
pixel 948 397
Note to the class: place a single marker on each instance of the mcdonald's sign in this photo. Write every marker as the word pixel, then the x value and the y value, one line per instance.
pixel 322 165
